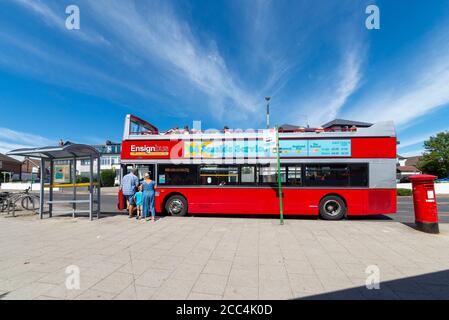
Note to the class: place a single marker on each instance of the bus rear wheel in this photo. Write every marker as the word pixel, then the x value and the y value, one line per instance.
pixel 176 206
pixel 332 208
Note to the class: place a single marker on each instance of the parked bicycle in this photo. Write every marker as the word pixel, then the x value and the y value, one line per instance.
pixel 3 201
pixel 26 200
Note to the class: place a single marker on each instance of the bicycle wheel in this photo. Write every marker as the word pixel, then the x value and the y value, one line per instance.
pixel 3 205
pixel 27 203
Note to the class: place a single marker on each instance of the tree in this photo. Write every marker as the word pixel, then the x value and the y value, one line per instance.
pixel 107 178
pixel 436 156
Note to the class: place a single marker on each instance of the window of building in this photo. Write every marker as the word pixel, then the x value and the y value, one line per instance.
pixel 105 161
pixel 177 175
pixel 219 175
pixel 62 162
pixel 115 160
pixel 85 162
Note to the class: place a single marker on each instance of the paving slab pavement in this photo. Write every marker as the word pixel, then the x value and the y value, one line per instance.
pixel 219 258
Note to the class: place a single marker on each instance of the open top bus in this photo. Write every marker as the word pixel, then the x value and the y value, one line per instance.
pixel 333 172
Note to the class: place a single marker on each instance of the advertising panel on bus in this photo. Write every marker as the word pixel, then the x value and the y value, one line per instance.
pixel 213 149
pixel 370 147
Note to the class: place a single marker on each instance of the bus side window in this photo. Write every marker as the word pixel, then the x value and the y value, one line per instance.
pixel 178 175
pixel 269 174
pixel 248 174
pixel 219 175
pixel 358 174
pixel 294 175
pixel 331 175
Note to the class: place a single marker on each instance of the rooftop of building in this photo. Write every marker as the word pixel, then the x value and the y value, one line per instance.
pixel 6 158
pixel 407 169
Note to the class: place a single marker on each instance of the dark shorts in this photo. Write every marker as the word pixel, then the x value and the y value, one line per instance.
pixel 130 199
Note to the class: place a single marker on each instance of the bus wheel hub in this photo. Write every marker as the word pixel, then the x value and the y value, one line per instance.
pixel 332 207
pixel 175 206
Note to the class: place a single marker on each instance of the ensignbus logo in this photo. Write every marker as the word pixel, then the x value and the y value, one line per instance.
pixel 149 150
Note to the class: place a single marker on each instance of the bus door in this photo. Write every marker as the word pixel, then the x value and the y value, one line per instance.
pixel 141 170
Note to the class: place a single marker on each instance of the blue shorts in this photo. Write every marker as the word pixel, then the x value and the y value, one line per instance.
pixel 130 199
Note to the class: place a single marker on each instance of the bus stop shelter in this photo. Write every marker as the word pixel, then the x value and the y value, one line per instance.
pixel 69 153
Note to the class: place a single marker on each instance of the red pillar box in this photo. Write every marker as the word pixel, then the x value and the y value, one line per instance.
pixel 425 203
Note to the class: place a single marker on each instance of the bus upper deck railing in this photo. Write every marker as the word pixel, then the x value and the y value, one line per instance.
pixel 281 130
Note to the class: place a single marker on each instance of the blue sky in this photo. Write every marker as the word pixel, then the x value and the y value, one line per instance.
pixel 172 62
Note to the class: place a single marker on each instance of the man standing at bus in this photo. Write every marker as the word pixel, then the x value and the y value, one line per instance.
pixel 130 182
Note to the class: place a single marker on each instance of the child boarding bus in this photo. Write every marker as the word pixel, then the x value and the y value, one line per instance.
pixel 333 172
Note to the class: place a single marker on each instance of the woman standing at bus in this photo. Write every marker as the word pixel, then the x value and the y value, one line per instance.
pixel 148 186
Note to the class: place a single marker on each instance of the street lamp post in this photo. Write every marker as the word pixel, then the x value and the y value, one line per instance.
pixel 268 111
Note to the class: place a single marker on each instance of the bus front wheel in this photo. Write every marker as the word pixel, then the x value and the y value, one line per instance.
pixel 332 208
pixel 176 206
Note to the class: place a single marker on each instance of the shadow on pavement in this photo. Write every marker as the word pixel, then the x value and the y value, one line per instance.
pixel 103 215
pixel 430 286
pixel 106 214
pixel 411 225
pixel 370 218
pixel 291 217
pixel 254 216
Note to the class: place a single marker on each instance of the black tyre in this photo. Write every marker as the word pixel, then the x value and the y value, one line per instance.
pixel 3 205
pixel 332 208
pixel 28 203
pixel 176 206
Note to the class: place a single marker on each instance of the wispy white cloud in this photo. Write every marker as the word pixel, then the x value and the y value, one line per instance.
pixel 275 43
pixel 347 81
pixel 23 138
pixel 417 100
pixel 43 11
pixel 412 142
pixel 326 99
pixel 319 90
pixel 419 139
pixel 57 19
pixel 153 43
pixel 35 58
pixel 166 57
pixel 12 139
pixel 412 153
pixel 159 37
pixel 5 147
pixel 415 88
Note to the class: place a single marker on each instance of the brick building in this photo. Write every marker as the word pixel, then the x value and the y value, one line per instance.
pixel 30 168
pixel 10 168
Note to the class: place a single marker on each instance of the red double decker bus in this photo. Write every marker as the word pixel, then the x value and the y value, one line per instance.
pixel 334 172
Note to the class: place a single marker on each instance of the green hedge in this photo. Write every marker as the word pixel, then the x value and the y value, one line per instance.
pixel 404 192
pixel 82 179
pixel 107 178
